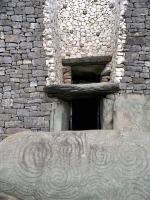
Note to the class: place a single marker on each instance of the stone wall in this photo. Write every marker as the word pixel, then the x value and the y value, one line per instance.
pixel 133 53
pixel 23 70
pixel 86 27
pixel 51 42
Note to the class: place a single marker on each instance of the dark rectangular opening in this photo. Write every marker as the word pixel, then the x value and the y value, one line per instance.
pixel 85 114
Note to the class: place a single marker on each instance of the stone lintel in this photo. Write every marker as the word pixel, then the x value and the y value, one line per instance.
pixel 95 60
pixel 78 91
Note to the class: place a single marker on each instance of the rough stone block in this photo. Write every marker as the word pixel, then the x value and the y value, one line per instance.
pixel 7 102
pixel 26 45
pixel 144 75
pixel 138 80
pixel 38 43
pixel 22 112
pixel 7 59
pixel 13 124
pixel 29 10
pixel 12 38
pixel 132 112
pixel 46 106
pixel 5 117
pixel 39 73
pixel 140 11
pixel 2 43
pixel 16 18
pixel 16 57
pixel 35 122
pixel 140 86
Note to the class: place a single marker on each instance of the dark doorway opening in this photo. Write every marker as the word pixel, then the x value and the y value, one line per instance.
pixel 84 114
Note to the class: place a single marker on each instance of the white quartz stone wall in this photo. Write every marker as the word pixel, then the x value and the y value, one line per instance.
pixel 51 41
pixel 87 28
pixel 121 35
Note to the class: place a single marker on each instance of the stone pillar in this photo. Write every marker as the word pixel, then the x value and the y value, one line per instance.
pixel 59 118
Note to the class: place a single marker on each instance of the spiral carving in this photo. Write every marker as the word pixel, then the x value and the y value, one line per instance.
pixel 135 190
pixel 34 155
pixel 5 154
pixel 98 187
pixel 132 161
pixel 62 181
pixel 69 149
pixel 101 157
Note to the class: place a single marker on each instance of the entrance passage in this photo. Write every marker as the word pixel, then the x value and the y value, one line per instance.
pixel 84 114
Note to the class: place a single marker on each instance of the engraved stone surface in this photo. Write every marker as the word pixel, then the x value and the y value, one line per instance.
pixel 7 197
pixel 77 91
pixel 132 112
pixel 83 165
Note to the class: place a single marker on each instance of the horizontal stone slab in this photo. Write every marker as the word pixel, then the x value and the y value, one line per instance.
pixel 83 165
pixel 77 91
pixel 95 60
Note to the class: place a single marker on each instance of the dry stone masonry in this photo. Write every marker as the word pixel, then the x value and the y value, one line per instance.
pixel 23 70
pixel 86 27
pixel 133 52
pixel 51 42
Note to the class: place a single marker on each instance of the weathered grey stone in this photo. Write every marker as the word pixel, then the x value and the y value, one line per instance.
pixel 4 196
pixel 6 95
pixel 23 112
pixel 26 45
pixel 7 60
pixel 38 44
pixel 16 18
pixel 59 118
pixel 76 91
pixel 83 165
pixel 12 38
pixel 132 112
pixel 29 10
pixel 36 122
pixel 5 117
pixel 140 86
pixel 46 106
pixel 140 11
pixel 123 86
pixel 144 75
pixel 7 102
pixel 87 61
pixel 14 124
pixel 106 114
pixel 16 25
pixel 137 80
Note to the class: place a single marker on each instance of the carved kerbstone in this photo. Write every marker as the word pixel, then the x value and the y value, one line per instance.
pixel 83 165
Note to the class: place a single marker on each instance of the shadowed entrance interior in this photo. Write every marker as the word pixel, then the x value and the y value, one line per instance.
pixel 84 114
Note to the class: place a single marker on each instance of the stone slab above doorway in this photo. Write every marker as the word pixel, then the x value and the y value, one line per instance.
pixel 77 91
